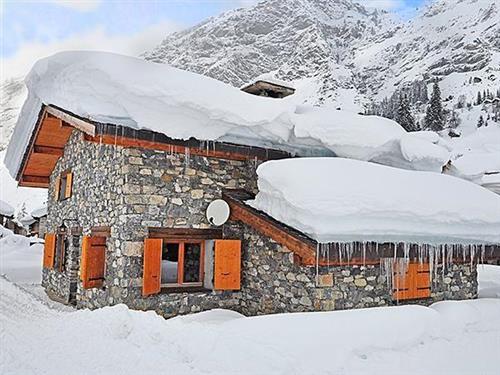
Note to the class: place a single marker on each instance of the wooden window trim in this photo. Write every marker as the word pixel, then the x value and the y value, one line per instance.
pixel 60 251
pixel 171 287
pixel 61 191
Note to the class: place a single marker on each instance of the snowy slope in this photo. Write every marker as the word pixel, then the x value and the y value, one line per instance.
pixel 336 199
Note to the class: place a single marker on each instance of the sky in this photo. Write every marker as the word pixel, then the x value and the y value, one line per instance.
pixel 34 29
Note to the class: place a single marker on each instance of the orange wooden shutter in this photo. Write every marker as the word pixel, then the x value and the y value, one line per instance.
pixel 227 271
pixel 57 188
pixel 69 185
pixel 49 250
pixel 151 278
pixel 93 261
pixel 412 281
pixel 84 257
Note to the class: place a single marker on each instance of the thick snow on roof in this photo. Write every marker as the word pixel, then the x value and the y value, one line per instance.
pixel 39 211
pixel 127 91
pixel 336 199
pixel 6 209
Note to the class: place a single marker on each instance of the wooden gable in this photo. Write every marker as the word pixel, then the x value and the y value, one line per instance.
pixel 46 146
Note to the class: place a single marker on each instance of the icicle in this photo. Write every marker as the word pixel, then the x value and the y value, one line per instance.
pixel 318 248
pixel 364 253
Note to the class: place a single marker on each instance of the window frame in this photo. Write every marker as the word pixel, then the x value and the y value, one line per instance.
pixel 61 189
pixel 60 253
pixel 180 284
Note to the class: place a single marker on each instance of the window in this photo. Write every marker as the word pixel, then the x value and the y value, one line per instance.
pixel 182 263
pixel 62 245
pixel 411 281
pixel 169 264
pixel 64 184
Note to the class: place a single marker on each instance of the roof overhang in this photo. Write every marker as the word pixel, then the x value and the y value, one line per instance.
pixel 51 133
pixel 310 253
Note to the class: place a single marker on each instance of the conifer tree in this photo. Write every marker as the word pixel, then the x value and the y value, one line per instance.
pixel 434 117
pixel 480 123
pixel 479 99
pixel 454 120
pixel 404 116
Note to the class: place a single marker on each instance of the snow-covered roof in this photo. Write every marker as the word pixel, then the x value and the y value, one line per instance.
pixel 6 209
pixel 27 220
pixel 128 91
pixel 336 199
pixel 39 211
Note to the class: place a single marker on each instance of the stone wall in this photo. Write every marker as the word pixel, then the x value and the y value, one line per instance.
pixel 130 190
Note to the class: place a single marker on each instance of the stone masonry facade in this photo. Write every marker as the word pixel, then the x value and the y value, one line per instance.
pixel 130 189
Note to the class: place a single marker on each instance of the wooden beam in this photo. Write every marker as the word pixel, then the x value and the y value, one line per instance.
pixel 204 147
pixel 34 181
pixel 185 233
pixel 85 126
pixel 48 150
pixel 295 241
pixel 177 149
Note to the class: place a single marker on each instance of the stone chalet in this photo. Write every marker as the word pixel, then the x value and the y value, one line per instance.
pixel 126 224
pixel 126 213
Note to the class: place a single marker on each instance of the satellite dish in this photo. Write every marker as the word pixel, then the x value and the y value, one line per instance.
pixel 218 212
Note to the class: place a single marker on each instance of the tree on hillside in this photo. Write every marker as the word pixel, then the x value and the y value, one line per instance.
pixel 404 116
pixel 480 123
pixel 434 117
pixel 454 120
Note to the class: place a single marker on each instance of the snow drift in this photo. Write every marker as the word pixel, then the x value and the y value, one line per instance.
pixel 336 199
pixel 127 91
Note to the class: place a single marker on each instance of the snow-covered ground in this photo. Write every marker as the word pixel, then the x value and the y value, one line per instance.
pixel 40 337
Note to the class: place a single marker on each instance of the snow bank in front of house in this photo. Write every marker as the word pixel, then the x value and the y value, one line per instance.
pixel 21 262
pixel 446 338
pixel 127 91
pixel 336 199
pixel 488 277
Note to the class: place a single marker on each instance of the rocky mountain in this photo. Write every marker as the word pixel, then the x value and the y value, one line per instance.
pixel 341 52
pixel 310 42
pixel 448 38
pixel 333 51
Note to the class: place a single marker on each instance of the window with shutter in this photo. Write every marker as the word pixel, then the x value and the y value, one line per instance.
pixel 151 279
pixel 63 186
pixel 57 187
pixel 69 185
pixel 93 260
pixel 411 281
pixel 227 272
pixel 49 250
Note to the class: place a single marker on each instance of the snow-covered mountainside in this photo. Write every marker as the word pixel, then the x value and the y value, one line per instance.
pixel 338 51
pixel 308 41
pixel 453 40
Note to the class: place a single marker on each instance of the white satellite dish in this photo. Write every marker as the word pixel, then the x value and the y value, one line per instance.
pixel 218 212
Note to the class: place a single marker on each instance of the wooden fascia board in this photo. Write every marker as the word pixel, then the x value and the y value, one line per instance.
pixel 85 126
pixel 304 247
pixel 29 147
